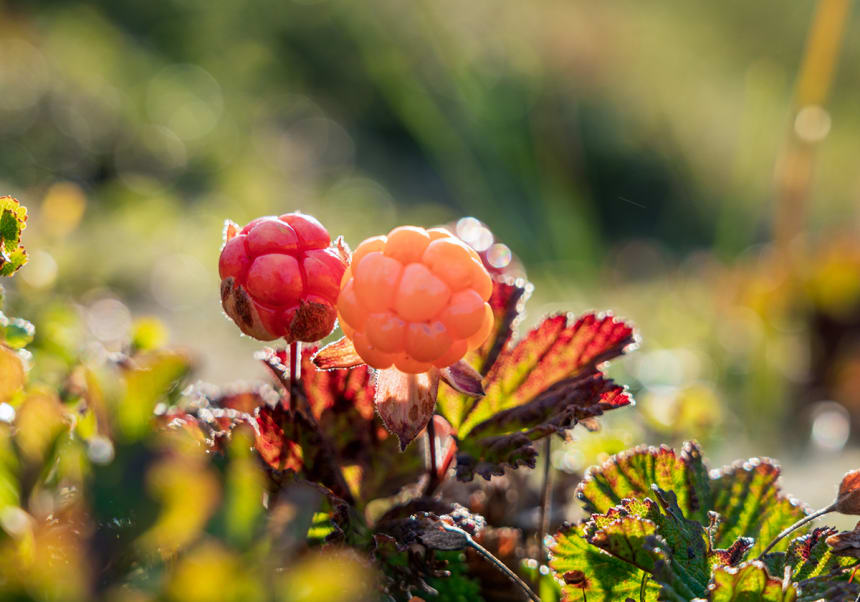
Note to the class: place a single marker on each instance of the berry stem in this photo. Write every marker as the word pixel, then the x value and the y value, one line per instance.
pixel 295 368
pixel 431 448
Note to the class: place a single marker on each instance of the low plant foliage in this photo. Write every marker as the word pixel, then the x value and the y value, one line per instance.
pixel 121 477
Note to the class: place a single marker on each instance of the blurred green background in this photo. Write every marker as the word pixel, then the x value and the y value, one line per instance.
pixel 690 166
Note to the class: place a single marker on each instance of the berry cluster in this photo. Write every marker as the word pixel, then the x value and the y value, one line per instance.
pixel 415 299
pixel 280 277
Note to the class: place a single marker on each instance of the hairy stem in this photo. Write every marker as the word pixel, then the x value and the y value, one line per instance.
pixel 488 556
pixel 796 526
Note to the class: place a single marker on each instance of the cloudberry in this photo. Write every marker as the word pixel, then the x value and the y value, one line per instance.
pixel 280 277
pixel 415 299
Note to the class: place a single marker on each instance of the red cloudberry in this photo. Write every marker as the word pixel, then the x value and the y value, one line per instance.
pixel 280 277
pixel 415 299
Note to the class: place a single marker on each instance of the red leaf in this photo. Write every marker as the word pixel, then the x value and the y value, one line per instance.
pixel 555 350
pixel 545 383
pixel 273 444
pixel 342 404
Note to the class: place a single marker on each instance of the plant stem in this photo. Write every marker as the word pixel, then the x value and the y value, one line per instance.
pixel 796 526
pixel 642 587
pixel 544 501
pixel 488 556
pixel 295 369
pixel 431 448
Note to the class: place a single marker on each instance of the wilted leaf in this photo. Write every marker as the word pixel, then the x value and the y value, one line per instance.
pixel 749 581
pixel 846 543
pixel 340 354
pixel 463 378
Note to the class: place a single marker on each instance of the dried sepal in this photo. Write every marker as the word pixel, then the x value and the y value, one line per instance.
pixel 848 497
pixel 406 402
pixel 339 354
pixel 463 378
pixel 845 543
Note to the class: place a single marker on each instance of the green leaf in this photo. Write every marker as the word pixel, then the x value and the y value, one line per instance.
pixel 811 556
pixel 149 378
pixel 744 495
pixel 624 538
pixel 749 503
pixel 633 472
pixel 829 588
pixel 748 582
pixel 13 220
pixel 458 586
pixel 18 333
pixel 586 569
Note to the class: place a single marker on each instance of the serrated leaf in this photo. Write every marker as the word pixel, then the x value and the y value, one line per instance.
pixel 507 438
pixel 747 583
pixel 749 503
pixel 593 572
pixel 18 333
pixel 632 473
pixel 556 350
pixel 13 220
pixel 543 384
pixel 846 543
pixel 624 538
pixel 809 555
pixel 507 302
pixel 734 554
pixel 744 495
